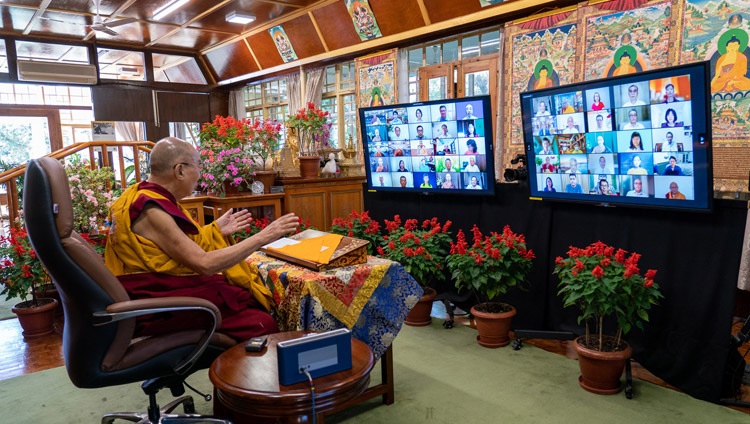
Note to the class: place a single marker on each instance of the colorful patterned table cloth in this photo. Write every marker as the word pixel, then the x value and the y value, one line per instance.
pixel 370 299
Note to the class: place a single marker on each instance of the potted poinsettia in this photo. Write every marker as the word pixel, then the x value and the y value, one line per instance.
pixel 606 285
pixel 359 225
pixel 421 249
pixel 489 267
pixel 22 276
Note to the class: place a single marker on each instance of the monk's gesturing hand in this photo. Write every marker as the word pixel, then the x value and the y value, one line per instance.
pixel 281 227
pixel 231 221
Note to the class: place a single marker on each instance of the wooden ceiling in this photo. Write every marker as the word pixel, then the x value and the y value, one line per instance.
pixel 316 29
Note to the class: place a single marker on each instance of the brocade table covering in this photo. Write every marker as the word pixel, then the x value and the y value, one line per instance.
pixel 371 299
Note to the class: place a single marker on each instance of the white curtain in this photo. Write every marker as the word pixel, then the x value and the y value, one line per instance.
pixel 313 87
pixel 743 280
pixel 294 92
pixel 129 131
pixel 237 103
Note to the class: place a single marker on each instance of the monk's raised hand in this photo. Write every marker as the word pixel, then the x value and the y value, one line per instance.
pixel 232 222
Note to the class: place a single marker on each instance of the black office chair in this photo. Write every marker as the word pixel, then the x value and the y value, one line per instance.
pixel 99 343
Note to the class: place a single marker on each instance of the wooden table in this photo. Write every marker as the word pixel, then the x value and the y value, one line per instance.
pixel 247 389
pixel 194 205
pixel 216 206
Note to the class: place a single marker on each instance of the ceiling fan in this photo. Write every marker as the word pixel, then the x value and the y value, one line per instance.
pixel 99 23
pixel 106 27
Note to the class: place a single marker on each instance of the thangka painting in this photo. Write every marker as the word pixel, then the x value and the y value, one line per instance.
pixel 282 43
pixel 485 3
pixel 539 59
pixel 627 42
pixel 718 32
pixel 364 20
pixel 376 79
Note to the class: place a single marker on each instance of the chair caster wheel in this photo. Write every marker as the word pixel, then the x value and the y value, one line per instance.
pixel 448 324
pixel 517 344
pixel 629 391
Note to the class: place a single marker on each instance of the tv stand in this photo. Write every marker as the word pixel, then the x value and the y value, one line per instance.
pixel 563 336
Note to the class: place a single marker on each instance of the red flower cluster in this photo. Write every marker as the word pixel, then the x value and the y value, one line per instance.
pixel 603 281
pixel 20 270
pixel 359 225
pixel 492 264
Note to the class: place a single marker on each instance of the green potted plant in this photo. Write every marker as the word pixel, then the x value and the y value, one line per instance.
pixel 359 225
pixel 606 285
pixel 22 276
pixel 489 267
pixel 225 155
pixel 421 249
pixel 313 131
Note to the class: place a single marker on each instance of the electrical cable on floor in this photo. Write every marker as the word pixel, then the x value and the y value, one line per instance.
pixel 312 394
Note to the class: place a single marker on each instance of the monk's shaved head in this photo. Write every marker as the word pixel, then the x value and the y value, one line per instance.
pixel 170 151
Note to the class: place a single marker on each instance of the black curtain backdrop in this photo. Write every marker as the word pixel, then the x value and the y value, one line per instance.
pixel 697 256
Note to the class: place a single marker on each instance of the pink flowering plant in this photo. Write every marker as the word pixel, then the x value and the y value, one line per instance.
pixel 420 249
pixel 359 225
pixel 91 193
pixel 226 153
pixel 603 281
pixel 491 265
pixel 313 127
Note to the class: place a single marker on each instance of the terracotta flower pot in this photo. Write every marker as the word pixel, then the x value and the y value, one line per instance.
pixel 419 316
pixel 309 166
pixel 36 321
pixel 601 371
pixel 493 327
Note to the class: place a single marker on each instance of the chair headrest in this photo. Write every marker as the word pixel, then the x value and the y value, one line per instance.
pixel 60 189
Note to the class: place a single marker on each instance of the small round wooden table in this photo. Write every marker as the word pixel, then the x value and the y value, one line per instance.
pixel 247 389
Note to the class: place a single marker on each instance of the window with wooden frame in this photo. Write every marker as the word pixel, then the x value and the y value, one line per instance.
pixel 339 99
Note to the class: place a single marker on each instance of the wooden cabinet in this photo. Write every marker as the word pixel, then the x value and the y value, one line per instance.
pixel 322 199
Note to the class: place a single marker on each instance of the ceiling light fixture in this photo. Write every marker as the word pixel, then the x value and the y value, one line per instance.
pixel 240 18
pixel 168 8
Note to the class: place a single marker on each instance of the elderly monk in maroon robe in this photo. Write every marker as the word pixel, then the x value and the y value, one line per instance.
pixel 156 249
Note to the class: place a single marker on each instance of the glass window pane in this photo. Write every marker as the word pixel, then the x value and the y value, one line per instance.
pixel 433 55
pixel 450 51
pixel 177 69
pixel 329 104
pixel 350 118
pixel 477 83
pixel 470 47
pixel 436 88
pixel 490 42
pixel 3 57
pixel 347 76
pixel 121 64
pixel 415 59
pixel 329 79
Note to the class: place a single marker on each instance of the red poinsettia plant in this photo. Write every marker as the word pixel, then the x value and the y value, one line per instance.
pixel 603 281
pixel 420 249
pixel 359 225
pixel 491 265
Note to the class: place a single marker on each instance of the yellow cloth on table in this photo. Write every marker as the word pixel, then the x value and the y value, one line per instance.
pixel 315 249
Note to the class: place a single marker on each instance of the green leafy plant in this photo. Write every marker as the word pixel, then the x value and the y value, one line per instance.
pixel 491 265
pixel 605 282
pixel 359 225
pixel 264 139
pixel 420 249
pixel 313 129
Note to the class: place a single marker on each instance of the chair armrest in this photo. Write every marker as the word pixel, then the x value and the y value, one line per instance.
pixel 135 308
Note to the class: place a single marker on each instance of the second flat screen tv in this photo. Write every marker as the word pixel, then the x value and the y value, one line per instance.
pixel 440 146
pixel 636 140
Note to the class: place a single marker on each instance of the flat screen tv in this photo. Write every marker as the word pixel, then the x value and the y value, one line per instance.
pixel 635 140
pixel 430 147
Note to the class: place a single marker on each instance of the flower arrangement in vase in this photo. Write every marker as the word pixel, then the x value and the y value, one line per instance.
pixel 264 140
pixel 606 282
pixel 313 129
pixel 489 267
pixel 359 225
pixel 226 156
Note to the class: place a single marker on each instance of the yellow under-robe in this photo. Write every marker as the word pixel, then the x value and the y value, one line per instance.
pixel 129 253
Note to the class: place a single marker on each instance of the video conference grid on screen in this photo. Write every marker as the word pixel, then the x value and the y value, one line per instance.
pixel 633 139
pixel 431 146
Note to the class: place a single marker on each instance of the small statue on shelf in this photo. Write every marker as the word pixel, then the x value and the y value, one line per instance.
pixel 330 169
